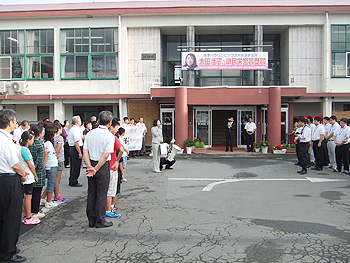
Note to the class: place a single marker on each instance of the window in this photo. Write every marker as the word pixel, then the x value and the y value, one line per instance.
pixel 89 53
pixel 36 52
pixel 43 112
pixel 340 50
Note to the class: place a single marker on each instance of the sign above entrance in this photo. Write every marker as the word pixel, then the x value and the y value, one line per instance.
pixel 224 60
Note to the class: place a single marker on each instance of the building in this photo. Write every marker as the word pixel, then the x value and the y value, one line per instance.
pixel 59 60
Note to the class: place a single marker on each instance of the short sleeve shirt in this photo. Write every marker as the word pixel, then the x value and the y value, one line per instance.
pixel 51 157
pixel 99 141
pixel 59 139
pixel 75 134
pixel 8 156
pixel 24 155
pixel 250 126
pixel 117 145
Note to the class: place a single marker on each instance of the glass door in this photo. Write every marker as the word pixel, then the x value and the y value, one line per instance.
pixel 243 118
pixel 167 119
pixel 202 126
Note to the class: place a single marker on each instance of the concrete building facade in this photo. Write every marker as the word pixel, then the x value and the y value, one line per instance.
pixel 60 60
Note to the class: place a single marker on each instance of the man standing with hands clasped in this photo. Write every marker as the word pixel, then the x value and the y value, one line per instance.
pixel 250 128
pixel 317 138
pixel 98 146
pixel 230 133
pixel 11 196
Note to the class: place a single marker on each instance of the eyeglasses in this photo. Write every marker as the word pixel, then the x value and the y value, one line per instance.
pixel 14 121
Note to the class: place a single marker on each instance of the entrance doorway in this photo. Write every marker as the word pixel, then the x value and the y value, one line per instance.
pixel 85 112
pixel 167 119
pixel 220 118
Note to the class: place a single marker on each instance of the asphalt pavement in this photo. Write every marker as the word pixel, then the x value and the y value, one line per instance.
pixel 209 208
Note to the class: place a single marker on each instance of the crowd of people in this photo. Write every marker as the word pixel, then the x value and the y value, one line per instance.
pixel 32 157
pixel 323 142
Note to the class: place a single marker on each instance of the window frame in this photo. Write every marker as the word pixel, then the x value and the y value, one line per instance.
pixel 346 51
pixel 25 55
pixel 89 54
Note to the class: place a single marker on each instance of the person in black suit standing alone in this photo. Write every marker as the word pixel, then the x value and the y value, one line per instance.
pixel 230 133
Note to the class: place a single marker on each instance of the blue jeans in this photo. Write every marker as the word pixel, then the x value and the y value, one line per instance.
pixel 124 161
pixel 51 179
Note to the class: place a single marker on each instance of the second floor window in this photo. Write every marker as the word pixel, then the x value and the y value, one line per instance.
pixel 89 53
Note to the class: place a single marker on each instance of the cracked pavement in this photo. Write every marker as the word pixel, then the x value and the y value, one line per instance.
pixel 176 221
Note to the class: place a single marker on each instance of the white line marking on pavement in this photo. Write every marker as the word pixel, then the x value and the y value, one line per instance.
pixel 210 186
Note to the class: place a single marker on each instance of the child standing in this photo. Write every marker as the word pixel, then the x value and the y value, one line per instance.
pixel 38 151
pixel 58 144
pixel 26 161
pixel 50 166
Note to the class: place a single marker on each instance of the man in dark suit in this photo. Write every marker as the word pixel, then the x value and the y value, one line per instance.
pixel 230 133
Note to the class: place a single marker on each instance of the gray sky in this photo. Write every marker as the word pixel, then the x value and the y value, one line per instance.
pixel 15 2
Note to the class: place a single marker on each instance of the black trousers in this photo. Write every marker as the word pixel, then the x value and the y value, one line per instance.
pixel 297 150
pixel 66 154
pixel 318 152
pixel 304 156
pixel 229 141
pixel 325 153
pixel 342 156
pixel 250 142
pixel 167 162
pixel 36 199
pixel 11 200
pixel 97 195
pixel 75 165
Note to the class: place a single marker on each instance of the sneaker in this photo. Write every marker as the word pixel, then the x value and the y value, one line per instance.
pixel 51 204
pixel 124 180
pixel 112 214
pixel 38 215
pixel 335 170
pixel 345 172
pixel 60 199
pixel 43 202
pixel 30 221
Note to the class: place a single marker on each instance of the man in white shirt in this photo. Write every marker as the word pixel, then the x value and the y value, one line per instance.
pixel 327 127
pixel 11 196
pixel 75 142
pixel 17 133
pixel 250 128
pixel 341 140
pixel 311 150
pixel 143 148
pixel 303 139
pixel 99 144
pixel 333 129
pixel 317 138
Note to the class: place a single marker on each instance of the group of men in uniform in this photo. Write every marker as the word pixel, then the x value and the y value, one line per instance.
pixel 323 142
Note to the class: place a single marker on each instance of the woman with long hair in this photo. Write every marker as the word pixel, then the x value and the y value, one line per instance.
pixel 157 139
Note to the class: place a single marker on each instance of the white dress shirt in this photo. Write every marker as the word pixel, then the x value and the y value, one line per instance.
pixel 250 126
pixel 333 129
pixel 8 153
pixel 318 131
pixel 75 135
pixel 99 141
pixel 17 134
pixel 343 133
pixel 305 134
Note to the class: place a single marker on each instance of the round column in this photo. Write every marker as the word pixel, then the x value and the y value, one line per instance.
pixel 181 116
pixel 274 117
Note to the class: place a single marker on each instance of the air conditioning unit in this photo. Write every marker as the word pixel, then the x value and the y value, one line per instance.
pixel 18 87
pixel 4 87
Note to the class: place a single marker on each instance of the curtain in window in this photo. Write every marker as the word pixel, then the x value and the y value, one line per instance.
pixel 30 42
pixel 21 45
pixel 115 40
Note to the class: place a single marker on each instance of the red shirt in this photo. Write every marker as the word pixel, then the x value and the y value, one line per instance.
pixel 117 145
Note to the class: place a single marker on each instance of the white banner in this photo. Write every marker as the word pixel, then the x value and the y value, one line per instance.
pixel 133 137
pixel 224 60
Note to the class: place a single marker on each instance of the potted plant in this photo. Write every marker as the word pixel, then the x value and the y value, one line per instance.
pixel 278 149
pixel 199 146
pixel 188 144
pixel 264 145
pixel 256 147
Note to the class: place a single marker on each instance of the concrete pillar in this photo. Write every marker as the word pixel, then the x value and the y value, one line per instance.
pixel 59 112
pixel 191 42
pixel 290 119
pixel 1 107
pixel 259 40
pixel 123 109
pixel 327 107
pixel 181 116
pixel 274 117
